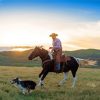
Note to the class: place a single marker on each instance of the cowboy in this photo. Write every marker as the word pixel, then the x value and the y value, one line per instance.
pixel 57 50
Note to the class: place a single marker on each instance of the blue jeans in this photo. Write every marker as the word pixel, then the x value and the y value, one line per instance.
pixel 57 66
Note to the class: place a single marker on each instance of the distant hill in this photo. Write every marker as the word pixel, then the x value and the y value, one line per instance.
pixel 85 53
pixel 15 58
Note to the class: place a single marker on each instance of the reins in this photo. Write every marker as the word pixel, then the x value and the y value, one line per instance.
pixel 46 61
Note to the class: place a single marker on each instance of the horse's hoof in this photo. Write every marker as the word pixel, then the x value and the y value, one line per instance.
pixel 42 86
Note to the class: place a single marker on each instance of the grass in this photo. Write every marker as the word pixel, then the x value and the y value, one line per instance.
pixel 87 87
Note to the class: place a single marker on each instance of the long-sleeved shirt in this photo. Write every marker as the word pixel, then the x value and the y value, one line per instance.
pixel 57 44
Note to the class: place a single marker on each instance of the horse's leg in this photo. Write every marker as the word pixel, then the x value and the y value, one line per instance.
pixel 74 77
pixel 40 76
pixel 44 75
pixel 64 79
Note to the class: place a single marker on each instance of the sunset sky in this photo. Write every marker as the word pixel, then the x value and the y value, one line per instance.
pixel 29 23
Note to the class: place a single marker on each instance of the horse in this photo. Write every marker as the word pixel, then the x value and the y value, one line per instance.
pixel 48 64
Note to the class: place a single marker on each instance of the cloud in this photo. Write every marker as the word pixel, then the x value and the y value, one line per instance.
pixel 87 42
pixel 82 35
pixel 74 34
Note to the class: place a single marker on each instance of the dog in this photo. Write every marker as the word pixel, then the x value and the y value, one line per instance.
pixel 26 86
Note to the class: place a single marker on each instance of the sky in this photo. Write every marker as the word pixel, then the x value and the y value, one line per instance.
pixel 30 22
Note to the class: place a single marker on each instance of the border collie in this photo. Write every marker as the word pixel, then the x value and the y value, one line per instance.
pixel 24 85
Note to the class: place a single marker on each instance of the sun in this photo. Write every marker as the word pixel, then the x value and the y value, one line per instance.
pixel 20 49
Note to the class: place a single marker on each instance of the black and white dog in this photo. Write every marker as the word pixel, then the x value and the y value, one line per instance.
pixel 24 85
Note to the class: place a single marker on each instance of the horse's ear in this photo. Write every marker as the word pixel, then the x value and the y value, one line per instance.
pixel 41 47
pixel 37 47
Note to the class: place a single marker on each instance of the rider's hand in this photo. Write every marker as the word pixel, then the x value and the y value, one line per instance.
pixel 50 47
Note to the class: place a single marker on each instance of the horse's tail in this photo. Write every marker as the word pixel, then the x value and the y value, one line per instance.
pixel 85 62
pixel 91 62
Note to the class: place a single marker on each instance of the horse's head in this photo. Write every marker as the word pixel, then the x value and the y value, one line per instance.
pixel 38 51
pixel 35 53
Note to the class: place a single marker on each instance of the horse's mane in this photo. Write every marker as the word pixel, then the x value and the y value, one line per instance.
pixel 41 48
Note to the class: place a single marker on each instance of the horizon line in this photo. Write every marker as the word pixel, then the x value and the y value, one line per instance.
pixel 30 47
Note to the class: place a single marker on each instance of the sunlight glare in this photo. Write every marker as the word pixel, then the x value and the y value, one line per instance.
pixel 20 49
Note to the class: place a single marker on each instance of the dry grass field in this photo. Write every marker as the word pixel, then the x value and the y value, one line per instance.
pixel 87 87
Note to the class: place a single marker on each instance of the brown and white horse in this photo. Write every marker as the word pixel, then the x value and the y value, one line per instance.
pixel 48 65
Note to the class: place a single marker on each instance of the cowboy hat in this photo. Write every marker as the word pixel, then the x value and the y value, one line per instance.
pixel 53 34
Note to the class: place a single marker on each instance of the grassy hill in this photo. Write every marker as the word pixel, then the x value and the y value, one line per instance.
pixel 15 58
pixel 87 86
pixel 85 53
pixel 93 54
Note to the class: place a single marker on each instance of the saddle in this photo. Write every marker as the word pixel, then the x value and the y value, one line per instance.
pixel 65 58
